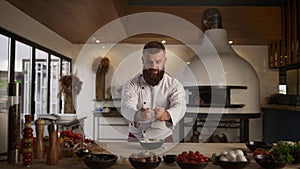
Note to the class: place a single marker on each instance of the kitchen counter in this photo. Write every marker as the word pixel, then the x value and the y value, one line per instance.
pixel 281 107
pixel 206 148
pixel 281 122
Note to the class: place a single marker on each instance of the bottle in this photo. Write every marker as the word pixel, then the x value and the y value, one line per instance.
pixel 27 142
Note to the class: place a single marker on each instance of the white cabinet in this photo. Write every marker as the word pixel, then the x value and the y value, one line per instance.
pixel 110 127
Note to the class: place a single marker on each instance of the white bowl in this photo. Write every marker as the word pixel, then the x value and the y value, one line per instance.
pixel 151 144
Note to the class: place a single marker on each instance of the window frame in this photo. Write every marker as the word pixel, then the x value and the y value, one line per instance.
pixel 34 46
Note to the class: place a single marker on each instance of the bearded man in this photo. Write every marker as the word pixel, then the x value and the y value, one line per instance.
pixel 153 102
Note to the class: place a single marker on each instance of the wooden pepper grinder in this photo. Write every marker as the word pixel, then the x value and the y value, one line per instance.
pixel 52 155
pixel 39 146
pixel 27 142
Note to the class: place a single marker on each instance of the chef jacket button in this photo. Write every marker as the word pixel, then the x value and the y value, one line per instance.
pixel 144 131
pixel 144 102
pixel 143 87
pixel 131 124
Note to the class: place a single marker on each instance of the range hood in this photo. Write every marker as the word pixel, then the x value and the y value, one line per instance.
pixel 218 66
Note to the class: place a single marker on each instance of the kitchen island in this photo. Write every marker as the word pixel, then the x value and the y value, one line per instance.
pixel 281 122
pixel 127 148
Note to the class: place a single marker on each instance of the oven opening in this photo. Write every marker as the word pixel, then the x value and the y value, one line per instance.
pixel 212 96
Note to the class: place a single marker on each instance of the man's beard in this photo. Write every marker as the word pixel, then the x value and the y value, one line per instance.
pixel 153 79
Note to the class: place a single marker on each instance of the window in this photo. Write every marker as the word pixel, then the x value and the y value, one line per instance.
pixel 41 79
pixel 37 68
pixel 22 73
pixel 54 84
pixel 282 89
pixel 4 51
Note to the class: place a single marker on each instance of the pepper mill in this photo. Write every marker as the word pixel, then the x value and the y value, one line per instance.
pixel 52 155
pixel 39 146
pixel 28 142
pixel 58 148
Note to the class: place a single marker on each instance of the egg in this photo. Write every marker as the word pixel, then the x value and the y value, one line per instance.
pixel 231 156
pixel 224 158
pixel 224 153
pixel 239 152
pixel 241 158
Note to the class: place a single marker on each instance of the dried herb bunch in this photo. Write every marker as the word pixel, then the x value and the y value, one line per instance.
pixel 69 84
pixel 100 64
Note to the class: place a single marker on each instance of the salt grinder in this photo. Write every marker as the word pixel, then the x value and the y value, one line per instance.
pixel 39 146
pixel 52 155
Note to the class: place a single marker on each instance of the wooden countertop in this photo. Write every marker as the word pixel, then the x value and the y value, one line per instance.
pixel 206 148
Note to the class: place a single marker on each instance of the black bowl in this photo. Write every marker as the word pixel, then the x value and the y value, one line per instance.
pixel 268 161
pixel 232 165
pixel 81 152
pixel 184 165
pixel 169 158
pixel 253 145
pixel 100 161
pixel 144 165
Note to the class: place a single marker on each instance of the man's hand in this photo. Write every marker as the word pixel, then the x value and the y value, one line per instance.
pixel 161 114
pixel 143 115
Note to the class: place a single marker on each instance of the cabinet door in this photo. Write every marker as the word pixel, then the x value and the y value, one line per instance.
pixel 113 133
pixel 281 125
pixel 112 129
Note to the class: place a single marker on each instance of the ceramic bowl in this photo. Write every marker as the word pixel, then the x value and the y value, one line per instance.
pixel 184 165
pixel 169 158
pixel 267 161
pixel 253 145
pixel 232 164
pixel 137 164
pixel 100 161
pixel 151 144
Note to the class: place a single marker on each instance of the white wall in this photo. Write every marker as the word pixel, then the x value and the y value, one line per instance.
pixel 18 22
pixel 257 56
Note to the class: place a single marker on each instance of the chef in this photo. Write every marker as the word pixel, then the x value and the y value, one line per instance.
pixel 153 102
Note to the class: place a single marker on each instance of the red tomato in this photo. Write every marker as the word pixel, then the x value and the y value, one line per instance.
pixel 192 157
pixel 76 136
pixel 206 159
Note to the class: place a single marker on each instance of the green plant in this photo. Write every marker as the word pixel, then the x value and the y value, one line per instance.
pixel 282 152
pixel 296 146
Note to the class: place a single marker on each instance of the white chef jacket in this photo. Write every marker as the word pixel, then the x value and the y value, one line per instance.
pixel 168 93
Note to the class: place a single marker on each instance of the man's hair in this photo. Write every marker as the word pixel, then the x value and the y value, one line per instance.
pixel 153 47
